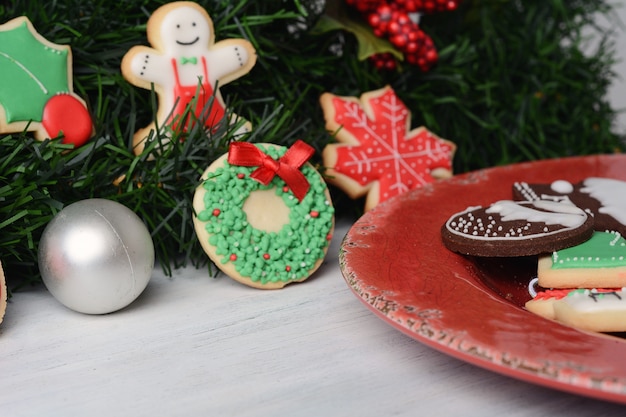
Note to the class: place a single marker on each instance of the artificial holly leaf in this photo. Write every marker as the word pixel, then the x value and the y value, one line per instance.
pixel 379 155
pixel 33 70
pixel 369 44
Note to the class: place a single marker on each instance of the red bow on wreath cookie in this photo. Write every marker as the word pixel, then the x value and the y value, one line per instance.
pixel 287 167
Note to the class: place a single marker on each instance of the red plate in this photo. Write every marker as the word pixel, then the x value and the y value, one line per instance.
pixel 472 309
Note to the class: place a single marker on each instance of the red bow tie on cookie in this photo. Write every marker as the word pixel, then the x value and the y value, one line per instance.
pixel 287 167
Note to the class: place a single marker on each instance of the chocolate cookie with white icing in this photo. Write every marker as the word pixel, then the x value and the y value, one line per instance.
pixel 513 228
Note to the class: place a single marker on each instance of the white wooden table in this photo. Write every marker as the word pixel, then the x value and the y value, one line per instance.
pixel 192 345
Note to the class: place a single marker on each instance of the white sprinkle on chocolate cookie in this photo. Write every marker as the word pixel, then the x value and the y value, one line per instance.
pixel 511 228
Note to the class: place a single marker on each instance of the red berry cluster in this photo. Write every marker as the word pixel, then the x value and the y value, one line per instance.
pixel 383 61
pixel 391 19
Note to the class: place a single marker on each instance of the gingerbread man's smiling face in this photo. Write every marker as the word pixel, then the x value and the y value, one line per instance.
pixel 185 31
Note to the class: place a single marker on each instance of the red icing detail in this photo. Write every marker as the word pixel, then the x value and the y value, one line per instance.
pixel 186 94
pixel 216 212
pixel 233 257
pixel 241 176
pixel 329 236
pixel 315 214
pixel 266 256
pixel 287 268
pixel 285 189
pixel 562 293
pixel 65 115
pixel 556 294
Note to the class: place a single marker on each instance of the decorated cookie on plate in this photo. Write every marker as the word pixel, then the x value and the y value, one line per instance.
pixel 263 214
pixel 379 156
pixel 593 309
pixel 603 198
pixel 185 65
pixel 36 92
pixel 510 228
pixel 583 285
pixel 599 262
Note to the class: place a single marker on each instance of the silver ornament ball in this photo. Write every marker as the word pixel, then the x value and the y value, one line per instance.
pixel 96 256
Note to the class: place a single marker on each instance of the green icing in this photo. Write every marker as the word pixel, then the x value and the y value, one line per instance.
pixel 32 72
pixel 293 251
pixel 602 250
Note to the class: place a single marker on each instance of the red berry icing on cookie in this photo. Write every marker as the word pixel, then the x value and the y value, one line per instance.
pixel 65 115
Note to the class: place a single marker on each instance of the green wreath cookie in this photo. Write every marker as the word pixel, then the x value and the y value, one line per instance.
pixel 264 220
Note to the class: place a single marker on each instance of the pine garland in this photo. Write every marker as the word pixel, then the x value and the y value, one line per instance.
pixel 512 84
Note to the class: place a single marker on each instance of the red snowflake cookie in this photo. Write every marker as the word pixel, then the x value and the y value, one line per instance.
pixel 379 155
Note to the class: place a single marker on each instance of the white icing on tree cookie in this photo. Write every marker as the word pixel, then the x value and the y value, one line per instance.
pixel 588 300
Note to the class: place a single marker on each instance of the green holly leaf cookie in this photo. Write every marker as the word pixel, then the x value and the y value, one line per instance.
pixel 33 70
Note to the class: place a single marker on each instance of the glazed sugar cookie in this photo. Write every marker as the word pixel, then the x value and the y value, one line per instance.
pixel 185 65
pixel 593 310
pixel 599 310
pixel 378 155
pixel 264 215
pixel 36 92
pixel 604 198
pixel 508 228
pixel 599 262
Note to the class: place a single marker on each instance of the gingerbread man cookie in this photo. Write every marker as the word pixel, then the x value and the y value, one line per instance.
pixel 185 65
pixel 36 91
pixel 379 156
